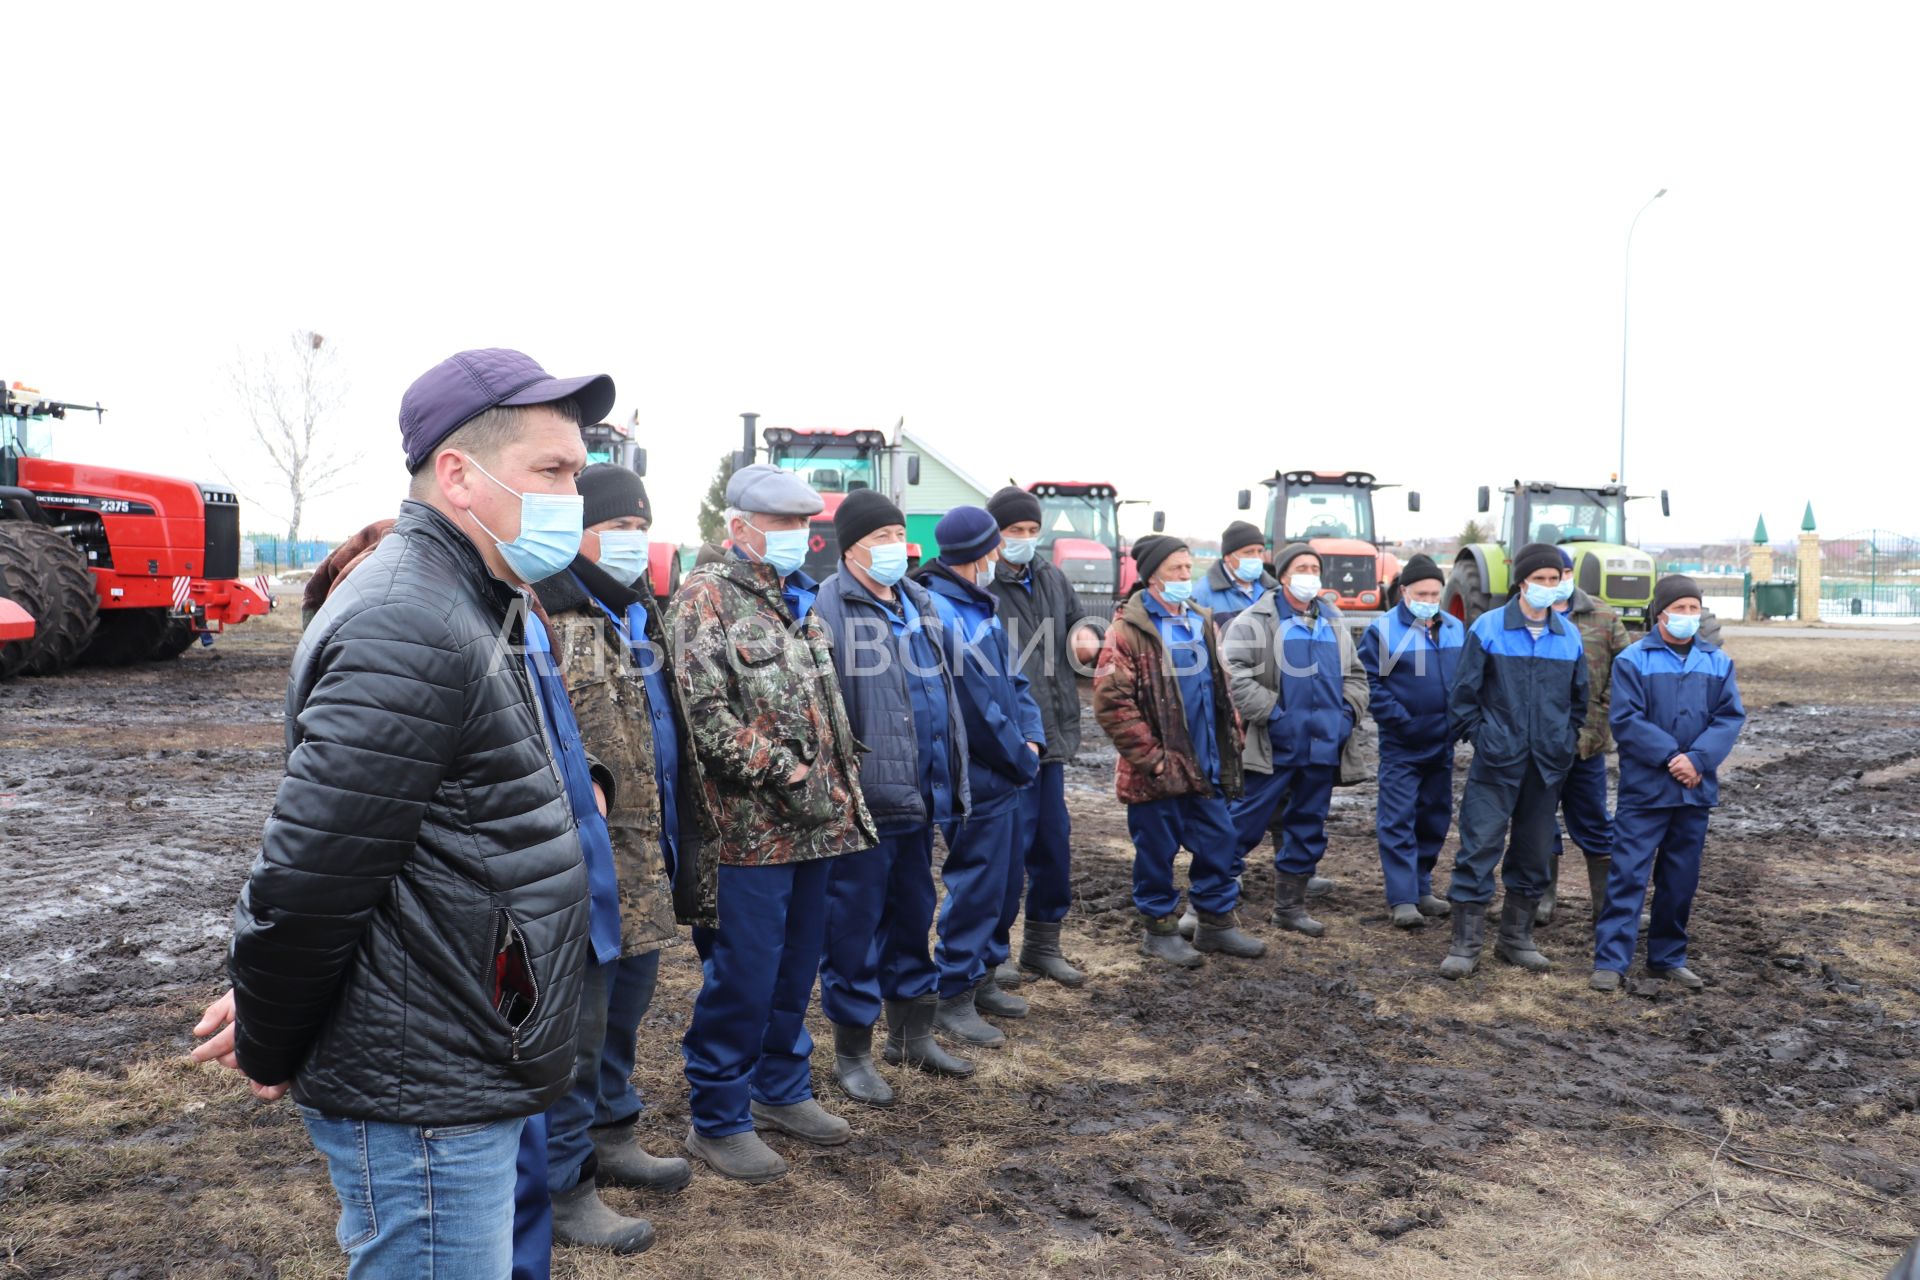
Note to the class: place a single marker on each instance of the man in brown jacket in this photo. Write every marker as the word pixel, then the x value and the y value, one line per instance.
pixel 1161 694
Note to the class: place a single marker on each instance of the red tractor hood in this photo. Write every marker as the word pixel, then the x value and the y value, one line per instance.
pixel 1081 549
pixel 1342 547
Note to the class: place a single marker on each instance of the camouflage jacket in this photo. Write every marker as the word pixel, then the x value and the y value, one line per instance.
pixel 760 698
pixel 1605 638
pixel 609 697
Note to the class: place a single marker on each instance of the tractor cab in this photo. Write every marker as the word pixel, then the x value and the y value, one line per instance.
pixel 1080 534
pixel 834 464
pixel 1589 524
pixel 1333 512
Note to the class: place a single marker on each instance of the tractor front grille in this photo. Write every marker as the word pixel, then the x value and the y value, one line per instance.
pixel 221 556
pixel 1629 586
pixel 1348 575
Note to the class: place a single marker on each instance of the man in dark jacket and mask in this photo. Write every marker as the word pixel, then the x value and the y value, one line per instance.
pixel 1050 636
pixel 1239 579
pixel 890 656
pixel 408 949
pixel 1004 742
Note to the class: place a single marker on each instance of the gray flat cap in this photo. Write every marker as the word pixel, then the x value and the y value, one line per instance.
pixel 768 490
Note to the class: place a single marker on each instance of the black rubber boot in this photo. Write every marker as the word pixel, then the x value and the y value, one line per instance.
pixel 741 1156
pixel 1680 976
pixel 957 1019
pixel 853 1068
pixel 910 1039
pixel 1604 980
pixel 1433 907
pixel 623 1162
pixel 1543 914
pixel 1408 916
pixel 806 1120
pixel 989 999
pixel 1289 895
pixel 1189 922
pixel 581 1217
pixel 1469 935
pixel 1515 944
pixel 1221 935
pixel 1321 887
pixel 1598 869
pixel 1162 941
pixel 1007 975
pixel 1040 954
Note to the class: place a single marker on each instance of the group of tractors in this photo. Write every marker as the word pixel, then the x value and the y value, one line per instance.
pixel 103 565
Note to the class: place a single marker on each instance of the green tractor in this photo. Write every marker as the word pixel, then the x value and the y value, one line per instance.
pixel 1590 524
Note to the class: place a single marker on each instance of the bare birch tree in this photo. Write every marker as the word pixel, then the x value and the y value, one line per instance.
pixel 288 394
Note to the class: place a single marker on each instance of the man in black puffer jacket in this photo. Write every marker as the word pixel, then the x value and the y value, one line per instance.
pixel 408 948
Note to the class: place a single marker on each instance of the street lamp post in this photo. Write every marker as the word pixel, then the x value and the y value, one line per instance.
pixel 1626 293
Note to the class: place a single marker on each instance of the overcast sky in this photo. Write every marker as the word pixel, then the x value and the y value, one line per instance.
pixel 1175 247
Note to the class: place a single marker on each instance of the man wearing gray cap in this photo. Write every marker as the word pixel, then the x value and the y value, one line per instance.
pixel 778 795
pixel 407 951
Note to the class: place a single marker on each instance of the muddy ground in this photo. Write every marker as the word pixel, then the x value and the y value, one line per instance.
pixel 1333 1109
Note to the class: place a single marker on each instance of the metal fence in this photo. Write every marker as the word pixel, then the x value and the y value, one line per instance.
pixel 1872 574
pixel 272 553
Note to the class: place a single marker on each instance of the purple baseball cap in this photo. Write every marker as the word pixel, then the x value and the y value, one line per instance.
pixel 468 383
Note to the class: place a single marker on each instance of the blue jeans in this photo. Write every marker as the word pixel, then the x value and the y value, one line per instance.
pixel 748 1041
pixel 1160 829
pixel 1042 871
pixel 879 907
pixel 421 1202
pixel 1300 795
pixel 634 979
pixel 532 1204
pixel 979 858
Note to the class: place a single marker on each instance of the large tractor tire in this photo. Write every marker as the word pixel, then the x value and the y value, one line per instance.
pixel 48 577
pixel 1465 598
pixel 129 636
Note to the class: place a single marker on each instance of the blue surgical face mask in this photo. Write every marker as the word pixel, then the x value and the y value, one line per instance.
pixel 550 531
pixel 1425 610
pixel 985 579
pixel 1565 590
pixel 1177 592
pixel 1249 569
pixel 623 553
pixel 1305 586
pixel 786 548
pixel 1681 626
pixel 887 562
pixel 1019 550
pixel 1541 597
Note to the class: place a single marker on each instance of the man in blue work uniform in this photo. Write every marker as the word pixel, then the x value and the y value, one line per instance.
pixel 1239 578
pixel 1520 697
pixel 889 656
pixel 1052 637
pixel 1676 715
pixel 1410 655
pixel 1004 741
pixel 1300 691
pixel 779 802
pixel 1161 696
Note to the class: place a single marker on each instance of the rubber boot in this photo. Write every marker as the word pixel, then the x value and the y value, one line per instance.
pixel 853 1068
pixel 989 999
pixel 910 1039
pixel 1597 871
pixel 1407 916
pixel 1543 914
pixel 806 1120
pixel 1604 980
pixel 1040 954
pixel 1515 944
pixel 1321 887
pixel 957 1018
pixel 1434 908
pixel 740 1156
pixel 1189 923
pixel 1289 893
pixel 581 1217
pixel 623 1162
pixel 1007 975
pixel 1469 935
pixel 1221 935
pixel 1680 975
pixel 1162 941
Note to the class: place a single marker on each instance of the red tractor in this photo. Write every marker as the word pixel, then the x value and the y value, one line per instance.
pixel 1332 511
pixel 1080 533
pixel 111 566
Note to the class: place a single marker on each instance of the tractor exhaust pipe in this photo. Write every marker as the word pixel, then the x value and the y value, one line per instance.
pixel 744 456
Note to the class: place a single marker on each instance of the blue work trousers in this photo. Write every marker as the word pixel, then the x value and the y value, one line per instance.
pixel 747 1041
pixel 1300 796
pixel 879 908
pixel 1665 844
pixel 1042 871
pixel 979 861
pixel 1160 829
pixel 1411 818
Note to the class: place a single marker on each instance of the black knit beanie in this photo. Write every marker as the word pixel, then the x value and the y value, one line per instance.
pixel 863 511
pixel 1013 504
pixel 1151 551
pixel 1534 557
pixel 612 493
